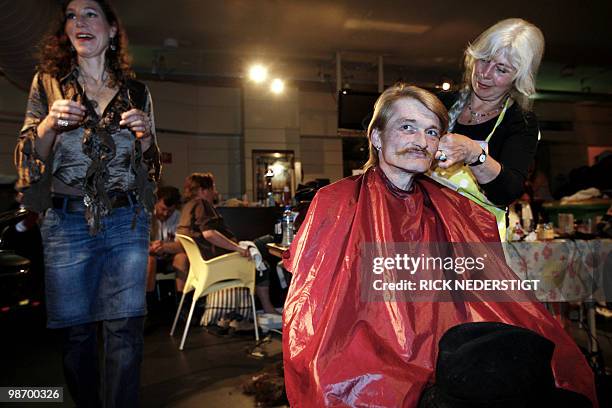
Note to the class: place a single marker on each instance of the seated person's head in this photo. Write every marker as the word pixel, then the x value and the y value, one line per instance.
pixel 168 198
pixel 200 185
pixel 405 129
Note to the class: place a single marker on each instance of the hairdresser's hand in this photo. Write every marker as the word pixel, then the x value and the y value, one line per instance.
pixel 457 149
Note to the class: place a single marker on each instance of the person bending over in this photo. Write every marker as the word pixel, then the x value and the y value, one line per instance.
pixel 166 255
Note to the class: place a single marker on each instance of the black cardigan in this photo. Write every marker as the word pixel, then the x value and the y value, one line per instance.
pixel 513 145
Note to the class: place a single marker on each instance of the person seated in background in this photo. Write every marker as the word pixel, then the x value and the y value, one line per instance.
pixel 165 254
pixel 347 343
pixel 201 221
pixel 584 177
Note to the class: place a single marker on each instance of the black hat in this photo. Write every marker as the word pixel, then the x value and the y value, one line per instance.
pixel 496 365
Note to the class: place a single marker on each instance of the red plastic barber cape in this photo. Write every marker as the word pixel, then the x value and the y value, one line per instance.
pixel 340 351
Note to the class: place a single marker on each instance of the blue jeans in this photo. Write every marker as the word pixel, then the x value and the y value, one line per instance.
pixel 98 281
pixel 93 278
pixel 117 383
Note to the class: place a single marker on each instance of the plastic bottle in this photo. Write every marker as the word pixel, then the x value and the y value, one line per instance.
pixel 278 230
pixel 287 226
pixel 527 217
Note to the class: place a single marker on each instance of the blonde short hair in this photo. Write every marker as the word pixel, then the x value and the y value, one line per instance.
pixel 383 112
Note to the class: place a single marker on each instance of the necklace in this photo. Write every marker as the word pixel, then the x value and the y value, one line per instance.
pixel 479 117
pixel 92 95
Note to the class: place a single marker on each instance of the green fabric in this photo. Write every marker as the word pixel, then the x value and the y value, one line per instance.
pixel 461 179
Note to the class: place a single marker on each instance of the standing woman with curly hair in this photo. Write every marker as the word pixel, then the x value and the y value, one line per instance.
pixel 87 158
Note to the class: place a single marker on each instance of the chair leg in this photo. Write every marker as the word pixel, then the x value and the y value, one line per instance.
pixel 254 317
pixel 178 312
pixel 193 302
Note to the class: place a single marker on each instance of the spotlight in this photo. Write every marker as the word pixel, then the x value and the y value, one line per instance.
pixel 277 86
pixel 258 73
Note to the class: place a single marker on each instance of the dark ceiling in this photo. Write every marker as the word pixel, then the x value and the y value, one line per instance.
pixel 214 41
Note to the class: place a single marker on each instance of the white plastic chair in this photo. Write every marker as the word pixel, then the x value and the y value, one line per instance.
pixel 205 277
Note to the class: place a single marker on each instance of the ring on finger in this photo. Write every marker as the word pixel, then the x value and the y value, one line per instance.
pixel 443 156
pixel 62 123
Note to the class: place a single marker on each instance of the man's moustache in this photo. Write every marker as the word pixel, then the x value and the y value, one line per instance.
pixel 410 150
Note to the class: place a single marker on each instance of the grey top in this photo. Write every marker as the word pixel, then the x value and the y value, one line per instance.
pixel 70 163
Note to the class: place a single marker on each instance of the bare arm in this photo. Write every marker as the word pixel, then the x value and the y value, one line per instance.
pixel 64 115
pixel 220 240
pixel 45 138
pixel 165 247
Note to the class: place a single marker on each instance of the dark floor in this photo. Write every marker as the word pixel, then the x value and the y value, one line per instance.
pixel 208 373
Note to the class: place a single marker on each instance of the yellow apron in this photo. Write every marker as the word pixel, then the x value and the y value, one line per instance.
pixel 460 178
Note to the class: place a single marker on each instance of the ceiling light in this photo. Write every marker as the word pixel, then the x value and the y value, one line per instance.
pixel 446 86
pixel 277 86
pixel 258 73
